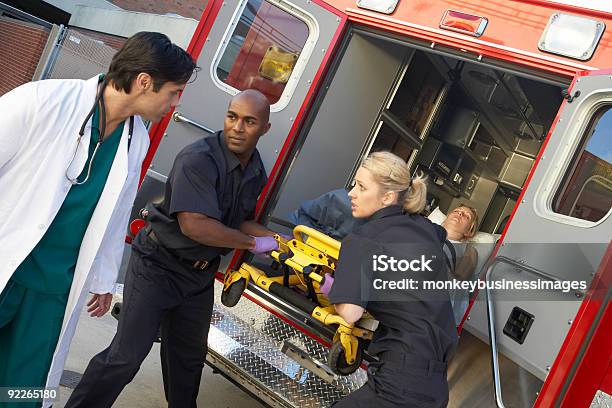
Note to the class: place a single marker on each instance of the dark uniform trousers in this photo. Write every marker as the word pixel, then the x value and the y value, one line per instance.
pixel 159 289
pixel 401 381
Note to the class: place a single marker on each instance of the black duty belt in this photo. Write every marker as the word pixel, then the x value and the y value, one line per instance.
pixel 198 264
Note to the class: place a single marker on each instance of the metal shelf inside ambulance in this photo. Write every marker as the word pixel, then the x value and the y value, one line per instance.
pixel 491 125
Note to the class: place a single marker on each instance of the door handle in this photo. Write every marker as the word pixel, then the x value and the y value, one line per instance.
pixel 179 117
pixel 490 267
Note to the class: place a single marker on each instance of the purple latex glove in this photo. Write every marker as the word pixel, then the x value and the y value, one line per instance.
pixel 264 244
pixel 326 286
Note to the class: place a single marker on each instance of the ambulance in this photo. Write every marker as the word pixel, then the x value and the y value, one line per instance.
pixel 506 106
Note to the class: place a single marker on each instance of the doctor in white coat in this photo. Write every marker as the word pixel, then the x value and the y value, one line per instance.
pixel 56 184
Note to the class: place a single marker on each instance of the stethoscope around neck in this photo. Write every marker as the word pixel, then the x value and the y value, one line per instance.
pixel 99 100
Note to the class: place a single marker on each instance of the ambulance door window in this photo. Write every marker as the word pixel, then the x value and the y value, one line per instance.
pixel 263 50
pixel 586 190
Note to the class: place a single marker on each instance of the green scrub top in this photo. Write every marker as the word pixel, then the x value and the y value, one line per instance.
pixel 49 268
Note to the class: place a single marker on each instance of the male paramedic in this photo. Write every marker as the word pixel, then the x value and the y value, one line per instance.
pixel 207 210
pixel 70 159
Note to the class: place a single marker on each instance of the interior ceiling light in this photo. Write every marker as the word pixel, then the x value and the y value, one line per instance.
pixel 571 36
pixel 380 6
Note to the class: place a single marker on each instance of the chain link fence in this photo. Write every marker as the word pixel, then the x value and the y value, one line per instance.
pixel 77 56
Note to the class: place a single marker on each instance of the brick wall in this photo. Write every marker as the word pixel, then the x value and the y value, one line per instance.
pixel 185 8
pixel 21 45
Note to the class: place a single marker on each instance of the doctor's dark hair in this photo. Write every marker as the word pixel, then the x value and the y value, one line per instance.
pixel 152 53
pixel 392 174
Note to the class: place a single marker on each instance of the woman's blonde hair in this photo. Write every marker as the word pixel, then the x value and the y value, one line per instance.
pixel 392 174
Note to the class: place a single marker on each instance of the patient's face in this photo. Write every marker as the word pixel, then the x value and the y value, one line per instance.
pixel 460 222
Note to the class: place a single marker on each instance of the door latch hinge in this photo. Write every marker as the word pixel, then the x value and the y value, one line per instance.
pixel 570 98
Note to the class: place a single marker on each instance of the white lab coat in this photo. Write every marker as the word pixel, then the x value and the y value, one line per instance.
pixel 39 128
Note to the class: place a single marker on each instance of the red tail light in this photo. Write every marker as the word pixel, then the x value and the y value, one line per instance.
pixel 463 23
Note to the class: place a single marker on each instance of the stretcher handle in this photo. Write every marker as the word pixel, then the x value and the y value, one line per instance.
pixel 317 235
pixel 282 222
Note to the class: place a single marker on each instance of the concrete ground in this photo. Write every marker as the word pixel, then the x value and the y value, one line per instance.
pixel 146 390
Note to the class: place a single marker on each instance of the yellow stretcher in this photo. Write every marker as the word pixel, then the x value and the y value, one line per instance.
pixel 305 259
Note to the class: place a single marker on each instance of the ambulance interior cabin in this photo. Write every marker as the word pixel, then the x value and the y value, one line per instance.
pixel 473 126
pixel 474 129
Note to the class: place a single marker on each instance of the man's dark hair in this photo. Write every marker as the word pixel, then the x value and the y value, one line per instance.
pixel 151 53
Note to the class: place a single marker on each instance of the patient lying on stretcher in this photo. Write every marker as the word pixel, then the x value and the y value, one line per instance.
pixel 331 214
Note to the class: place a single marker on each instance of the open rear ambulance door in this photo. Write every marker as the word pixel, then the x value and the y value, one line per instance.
pixel 275 46
pixel 560 231
pixel 283 49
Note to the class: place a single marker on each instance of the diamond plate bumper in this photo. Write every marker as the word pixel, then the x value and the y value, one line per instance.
pixel 245 343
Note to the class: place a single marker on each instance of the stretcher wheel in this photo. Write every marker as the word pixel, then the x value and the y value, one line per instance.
pixel 336 359
pixel 231 295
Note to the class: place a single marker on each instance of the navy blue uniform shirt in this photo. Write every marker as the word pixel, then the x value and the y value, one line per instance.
pixel 413 321
pixel 206 178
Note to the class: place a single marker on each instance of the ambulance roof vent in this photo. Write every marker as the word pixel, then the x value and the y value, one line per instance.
pixel 571 36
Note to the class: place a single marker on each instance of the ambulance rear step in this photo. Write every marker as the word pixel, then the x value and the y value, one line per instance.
pixel 275 362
